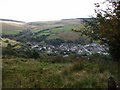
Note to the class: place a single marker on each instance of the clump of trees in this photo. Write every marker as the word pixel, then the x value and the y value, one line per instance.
pixel 106 26
pixel 55 42
pixel 19 52
pixel 109 26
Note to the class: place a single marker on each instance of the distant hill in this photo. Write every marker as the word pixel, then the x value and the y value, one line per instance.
pixel 57 29
pixel 12 26
pixel 11 20
pixel 58 23
pixel 61 29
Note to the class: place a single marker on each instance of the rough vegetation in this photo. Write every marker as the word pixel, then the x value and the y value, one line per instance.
pixel 77 72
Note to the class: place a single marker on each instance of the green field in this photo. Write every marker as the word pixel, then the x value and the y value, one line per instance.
pixel 64 33
pixel 11 32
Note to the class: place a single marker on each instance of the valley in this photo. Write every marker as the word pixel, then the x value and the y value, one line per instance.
pixel 53 54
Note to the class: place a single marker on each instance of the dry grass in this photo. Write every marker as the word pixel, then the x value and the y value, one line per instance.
pixel 12 27
pixel 21 73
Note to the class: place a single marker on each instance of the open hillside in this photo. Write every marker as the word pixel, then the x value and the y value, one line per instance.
pixel 12 26
pixel 55 24
pixel 59 29
pixel 70 72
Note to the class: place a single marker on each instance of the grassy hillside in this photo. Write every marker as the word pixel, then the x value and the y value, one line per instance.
pixel 61 29
pixel 12 27
pixel 69 36
pixel 82 73
pixel 58 29
pixel 55 24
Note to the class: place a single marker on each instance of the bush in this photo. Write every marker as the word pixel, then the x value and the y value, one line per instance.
pixel 35 54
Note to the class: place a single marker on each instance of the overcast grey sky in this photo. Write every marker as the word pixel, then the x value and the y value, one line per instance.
pixel 44 10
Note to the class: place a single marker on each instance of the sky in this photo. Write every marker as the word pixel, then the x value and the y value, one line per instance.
pixel 46 10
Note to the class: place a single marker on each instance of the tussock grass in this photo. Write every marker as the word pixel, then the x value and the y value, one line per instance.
pixel 83 73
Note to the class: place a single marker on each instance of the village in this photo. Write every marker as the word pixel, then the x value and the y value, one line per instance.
pixel 66 49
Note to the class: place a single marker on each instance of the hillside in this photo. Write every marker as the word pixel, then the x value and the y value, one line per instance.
pixel 12 26
pixel 58 72
pixel 59 29
pixel 55 24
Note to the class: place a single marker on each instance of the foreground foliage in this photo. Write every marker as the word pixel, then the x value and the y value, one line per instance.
pixel 109 25
pixel 80 72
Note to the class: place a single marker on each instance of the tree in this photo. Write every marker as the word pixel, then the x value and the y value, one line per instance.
pixel 109 26
pixel 35 54
pixel 91 29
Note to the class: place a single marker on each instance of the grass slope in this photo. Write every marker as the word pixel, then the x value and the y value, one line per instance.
pixel 58 29
pixel 11 27
pixel 55 29
pixel 83 73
